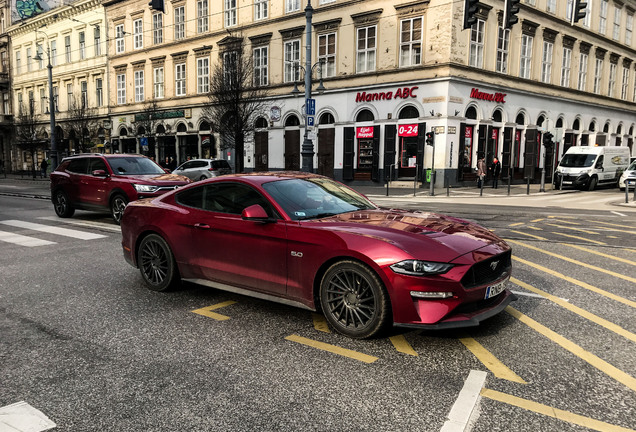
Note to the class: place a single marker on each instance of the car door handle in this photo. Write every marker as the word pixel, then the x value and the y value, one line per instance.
pixel 201 226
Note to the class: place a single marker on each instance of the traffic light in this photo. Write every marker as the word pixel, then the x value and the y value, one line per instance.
pixel 156 5
pixel 470 13
pixel 430 138
pixel 578 13
pixel 547 139
pixel 511 9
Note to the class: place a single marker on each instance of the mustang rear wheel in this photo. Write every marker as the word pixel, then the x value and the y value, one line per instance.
pixel 62 205
pixel 157 264
pixel 354 300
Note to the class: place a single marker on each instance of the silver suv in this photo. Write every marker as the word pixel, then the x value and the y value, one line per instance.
pixel 201 169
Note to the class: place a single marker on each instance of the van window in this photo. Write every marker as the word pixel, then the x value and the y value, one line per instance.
pixel 599 162
pixel 578 160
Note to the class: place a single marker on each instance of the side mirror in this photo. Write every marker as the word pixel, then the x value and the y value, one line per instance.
pixel 256 213
pixel 100 173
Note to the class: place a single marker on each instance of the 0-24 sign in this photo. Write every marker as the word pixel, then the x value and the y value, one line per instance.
pixel 407 130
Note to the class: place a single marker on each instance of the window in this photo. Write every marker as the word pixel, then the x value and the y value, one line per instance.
pixel 53 53
pixel 602 22
pixel 40 55
pixel 629 26
pixel 18 62
pixel 42 101
pixel 29 59
pixel 84 93
pixel 120 43
pixel 551 6
pixel 365 51
pixel 625 83
pixel 138 34
pixel 476 55
pixel 99 92
pixel 588 14
pixel 158 82
pixel 503 43
pixel 327 54
pixel 180 79
pixel 82 45
pixel 121 89
pixel 612 80
pixel 179 23
pixel 5 103
pixel 617 23
pixel 230 13
pixel 582 72
pixel 203 75
pixel 566 65
pixel 260 9
pixel 69 96
pixel 261 71
pixel 202 16
pixel 526 56
pixel 410 42
pixel 67 48
pixel 139 85
pixel 292 60
pixel 597 76
pixel 322 2
pixel 546 62
pixel 229 68
pixel 229 198
pixel 97 40
pixel 157 28
pixel 292 5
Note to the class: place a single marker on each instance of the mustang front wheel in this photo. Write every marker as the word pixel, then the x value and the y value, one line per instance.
pixel 354 300
pixel 157 264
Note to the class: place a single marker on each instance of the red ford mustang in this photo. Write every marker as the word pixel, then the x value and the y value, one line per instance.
pixel 309 241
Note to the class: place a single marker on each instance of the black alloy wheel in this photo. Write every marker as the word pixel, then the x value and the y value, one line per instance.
pixel 117 206
pixel 354 300
pixel 156 263
pixel 62 205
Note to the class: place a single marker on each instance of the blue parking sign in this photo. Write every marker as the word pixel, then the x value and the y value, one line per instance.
pixel 310 120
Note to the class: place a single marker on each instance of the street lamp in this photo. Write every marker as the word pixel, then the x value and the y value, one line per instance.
pixel 38 57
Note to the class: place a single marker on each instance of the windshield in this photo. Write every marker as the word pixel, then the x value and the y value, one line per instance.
pixel 313 198
pixel 632 166
pixel 578 160
pixel 134 166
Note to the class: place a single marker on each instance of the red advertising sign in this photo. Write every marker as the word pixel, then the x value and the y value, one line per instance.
pixel 364 132
pixel 495 134
pixel 469 132
pixel 407 130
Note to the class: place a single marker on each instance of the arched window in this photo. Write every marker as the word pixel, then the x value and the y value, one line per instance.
pixel 606 128
pixel 123 132
pixel 619 129
pixel 471 113
pixel 261 123
pixel 292 120
pixel 592 126
pixel 559 123
pixel 204 126
pixel 576 125
pixel 408 112
pixel 521 119
pixel 141 131
pixel 540 120
pixel 182 128
pixel 327 118
pixel 497 116
pixel 364 116
pixel 161 129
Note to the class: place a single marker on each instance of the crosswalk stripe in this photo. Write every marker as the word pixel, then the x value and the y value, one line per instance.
pixel 90 224
pixel 53 230
pixel 21 240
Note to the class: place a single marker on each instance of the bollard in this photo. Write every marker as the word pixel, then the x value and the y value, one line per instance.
pixel 627 191
pixel 481 188
pixel 528 190
pixel 542 187
pixel 415 181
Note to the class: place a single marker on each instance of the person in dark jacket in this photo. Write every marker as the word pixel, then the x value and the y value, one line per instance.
pixel 495 171
pixel 43 166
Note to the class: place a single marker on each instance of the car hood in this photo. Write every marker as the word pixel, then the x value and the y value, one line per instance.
pixel 158 179
pixel 443 237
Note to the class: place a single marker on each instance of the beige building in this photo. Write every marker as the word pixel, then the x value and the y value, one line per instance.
pixel 392 71
pixel 6 113
pixel 72 37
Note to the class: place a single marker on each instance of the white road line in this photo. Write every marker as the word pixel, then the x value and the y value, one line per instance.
pixel 460 413
pixel 22 417
pixel 527 294
pixel 21 240
pixel 620 214
pixel 53 230
pixel 100 225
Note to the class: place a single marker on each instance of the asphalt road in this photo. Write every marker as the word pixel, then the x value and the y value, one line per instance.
pixel 87 344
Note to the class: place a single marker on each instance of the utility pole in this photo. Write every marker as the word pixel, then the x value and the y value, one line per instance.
pixel 307 149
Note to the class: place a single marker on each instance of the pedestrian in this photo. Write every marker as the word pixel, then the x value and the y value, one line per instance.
pixel 495 170
pixel 172 165
pixel 166 163
pixel 481 170
pixel 43 166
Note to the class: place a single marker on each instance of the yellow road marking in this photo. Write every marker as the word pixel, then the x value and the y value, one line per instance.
pixel 332 349
pixel 573 261
pixel 535 228
pixel 573 229
pixel 611 224
pixel 612 237
pixel 577 282
pixel 577 310
pixel 565 222
pixel 581 238
pixel 499 369
pixel 623 260
pixel 549 411
pixel 537 220
pixel 401 344
pixel 320 323
pixel 529 235
pixel 603 366
pixel 207 311
pixel 516 224
pixel 562 217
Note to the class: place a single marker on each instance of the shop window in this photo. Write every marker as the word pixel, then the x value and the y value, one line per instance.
pixel 327 118
pixel 521 119
pixel 408 112
pixel 471 113
pixel 364 116
pixel 292 120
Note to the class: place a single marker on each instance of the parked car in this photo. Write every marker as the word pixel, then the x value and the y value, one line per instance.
pixel 201 169
pixel 309 241
pixel 107 182
pixel 628 174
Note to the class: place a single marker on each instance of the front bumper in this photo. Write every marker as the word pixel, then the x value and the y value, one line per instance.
pixel 577 181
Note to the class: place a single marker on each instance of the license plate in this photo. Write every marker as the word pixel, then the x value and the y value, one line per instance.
pixel 497 289
pixel 567 182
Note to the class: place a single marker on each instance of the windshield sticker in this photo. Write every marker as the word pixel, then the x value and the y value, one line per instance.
pixel 300 214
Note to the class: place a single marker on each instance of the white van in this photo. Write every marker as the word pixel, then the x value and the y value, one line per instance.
pixel 586 167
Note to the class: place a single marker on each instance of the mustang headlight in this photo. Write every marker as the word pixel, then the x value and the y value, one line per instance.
pixel 145 188
pixel 420 268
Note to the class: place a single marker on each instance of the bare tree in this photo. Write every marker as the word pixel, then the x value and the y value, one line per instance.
pixel 149 119
pixel 26 131
pixel 238 93
pixel 83 121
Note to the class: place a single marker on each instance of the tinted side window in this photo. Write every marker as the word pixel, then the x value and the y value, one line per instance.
pixel 97 164
pixel 186 165
pixel 199 164
pixel 191 197
pixel 78 166
pixel 220 164
pixel 230 198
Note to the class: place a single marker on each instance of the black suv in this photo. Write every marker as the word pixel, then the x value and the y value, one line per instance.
pixel 107 182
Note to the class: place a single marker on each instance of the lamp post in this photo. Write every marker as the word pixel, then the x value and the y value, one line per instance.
pixel 51 103
pixel 307 148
